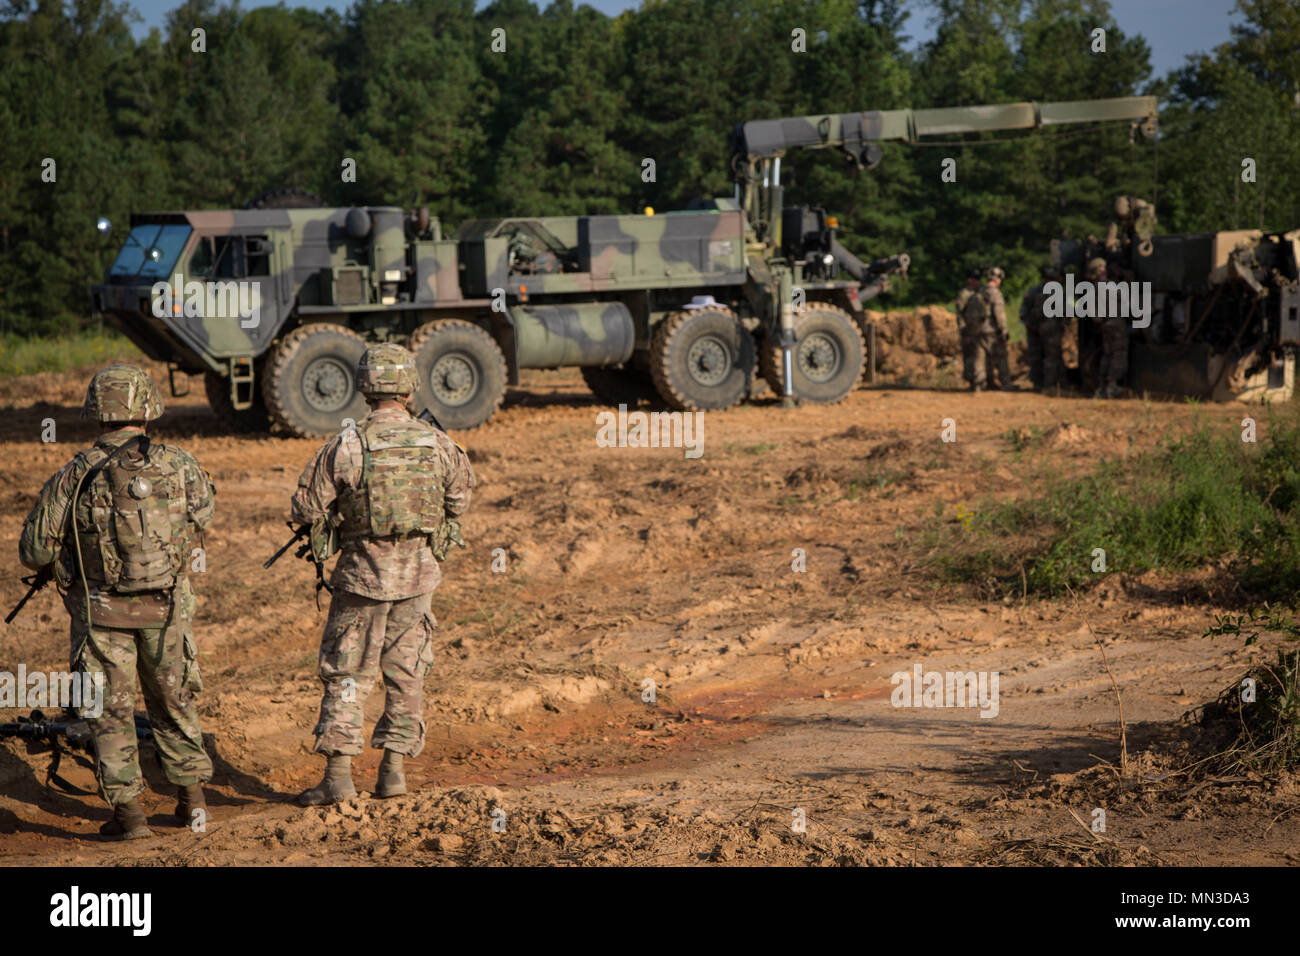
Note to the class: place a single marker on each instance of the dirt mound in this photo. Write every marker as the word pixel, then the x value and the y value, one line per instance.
pixel 918 343
pixel 483 826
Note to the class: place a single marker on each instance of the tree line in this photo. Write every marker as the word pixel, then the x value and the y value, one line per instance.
pixel 420 95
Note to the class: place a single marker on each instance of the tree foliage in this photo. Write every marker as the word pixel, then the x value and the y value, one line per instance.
pixel 563 120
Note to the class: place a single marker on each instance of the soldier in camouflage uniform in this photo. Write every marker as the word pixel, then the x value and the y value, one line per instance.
pixel 388 492
pixel 968 327
pixel 1114 341
pixel 1031 318
pixel 1043 334
pixel 115 528
pixel 993 340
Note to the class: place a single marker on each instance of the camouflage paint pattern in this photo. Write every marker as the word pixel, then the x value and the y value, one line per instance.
pixel 595 333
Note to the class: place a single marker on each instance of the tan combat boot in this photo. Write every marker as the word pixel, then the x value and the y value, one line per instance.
pixel 392 780
pixel 188 800
pixel 335 788
pixel 127 823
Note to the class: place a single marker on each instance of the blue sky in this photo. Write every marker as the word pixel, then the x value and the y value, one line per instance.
pixel 1173 28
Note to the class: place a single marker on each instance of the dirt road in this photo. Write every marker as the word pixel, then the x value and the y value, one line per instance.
pixel 773 685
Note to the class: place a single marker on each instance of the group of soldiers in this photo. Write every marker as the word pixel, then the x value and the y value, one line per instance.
pixel 982 326
pixel 116 529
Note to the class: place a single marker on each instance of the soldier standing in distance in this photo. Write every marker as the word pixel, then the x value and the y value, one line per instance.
pixel 115 527
pixel 1031 317
pixel 1051 333
pixel 1114 340
pixel 993 342
pixel 1044 334
pixel 389 491
pixel 970 318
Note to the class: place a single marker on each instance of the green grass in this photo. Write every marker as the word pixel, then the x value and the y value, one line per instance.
pixel 24 356
pixel 1265 730
pixel 1206 498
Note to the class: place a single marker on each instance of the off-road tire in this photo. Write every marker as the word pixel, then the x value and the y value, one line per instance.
pixel 687 339
pixel 310 383
pixel 620 384
pixel 243 421
pixel 829 356
pixel 285 198
pixel 462 349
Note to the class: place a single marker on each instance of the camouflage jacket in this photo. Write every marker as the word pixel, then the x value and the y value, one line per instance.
pixel 997 307
pixel 1031 307
pixel 382 569
pixel 46 539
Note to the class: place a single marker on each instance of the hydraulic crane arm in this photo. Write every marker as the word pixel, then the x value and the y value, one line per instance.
pixel 858 133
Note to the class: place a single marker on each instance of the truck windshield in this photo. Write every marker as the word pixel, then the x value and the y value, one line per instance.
pixel 150 251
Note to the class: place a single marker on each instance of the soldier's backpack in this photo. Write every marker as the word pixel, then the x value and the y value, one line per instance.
pixel 131 519
pixel 975 311
pixel 402 484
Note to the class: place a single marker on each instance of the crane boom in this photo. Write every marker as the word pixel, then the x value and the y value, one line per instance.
pixel 857 133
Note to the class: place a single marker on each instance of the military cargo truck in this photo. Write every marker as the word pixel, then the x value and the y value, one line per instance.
pixel 1225 316
pixel 273 305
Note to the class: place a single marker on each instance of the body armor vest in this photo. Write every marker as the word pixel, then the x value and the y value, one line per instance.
pixel 401 488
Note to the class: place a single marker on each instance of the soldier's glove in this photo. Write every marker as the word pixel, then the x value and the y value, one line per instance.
pixel 448 533
pixel 324 539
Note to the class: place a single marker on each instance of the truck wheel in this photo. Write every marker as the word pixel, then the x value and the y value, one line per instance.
pixel 243 421
pixel 461 370
pixel 310 383
pixel 702 359
pixel 828 358
pixel 619 384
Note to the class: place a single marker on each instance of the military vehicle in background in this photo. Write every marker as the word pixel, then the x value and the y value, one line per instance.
pixel 273 304
pixel 1225 316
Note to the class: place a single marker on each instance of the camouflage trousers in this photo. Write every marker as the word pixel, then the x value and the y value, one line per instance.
pixel 1114 354
pixel 967 356
pixel 1043 343
pixel 362 639
pixel 166 661
pixel 984 355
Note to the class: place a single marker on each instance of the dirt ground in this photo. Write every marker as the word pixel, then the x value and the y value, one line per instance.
pixel 773 685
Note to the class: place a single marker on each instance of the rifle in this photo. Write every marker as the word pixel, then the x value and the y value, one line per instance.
pixel 304 551
pixel 35 582
pixel 432 419
pixel 38 728
pixel 298 535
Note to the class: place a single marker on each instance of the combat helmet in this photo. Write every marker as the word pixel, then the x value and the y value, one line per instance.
pixel 122 393
pixel 995 273
pixel 386 369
